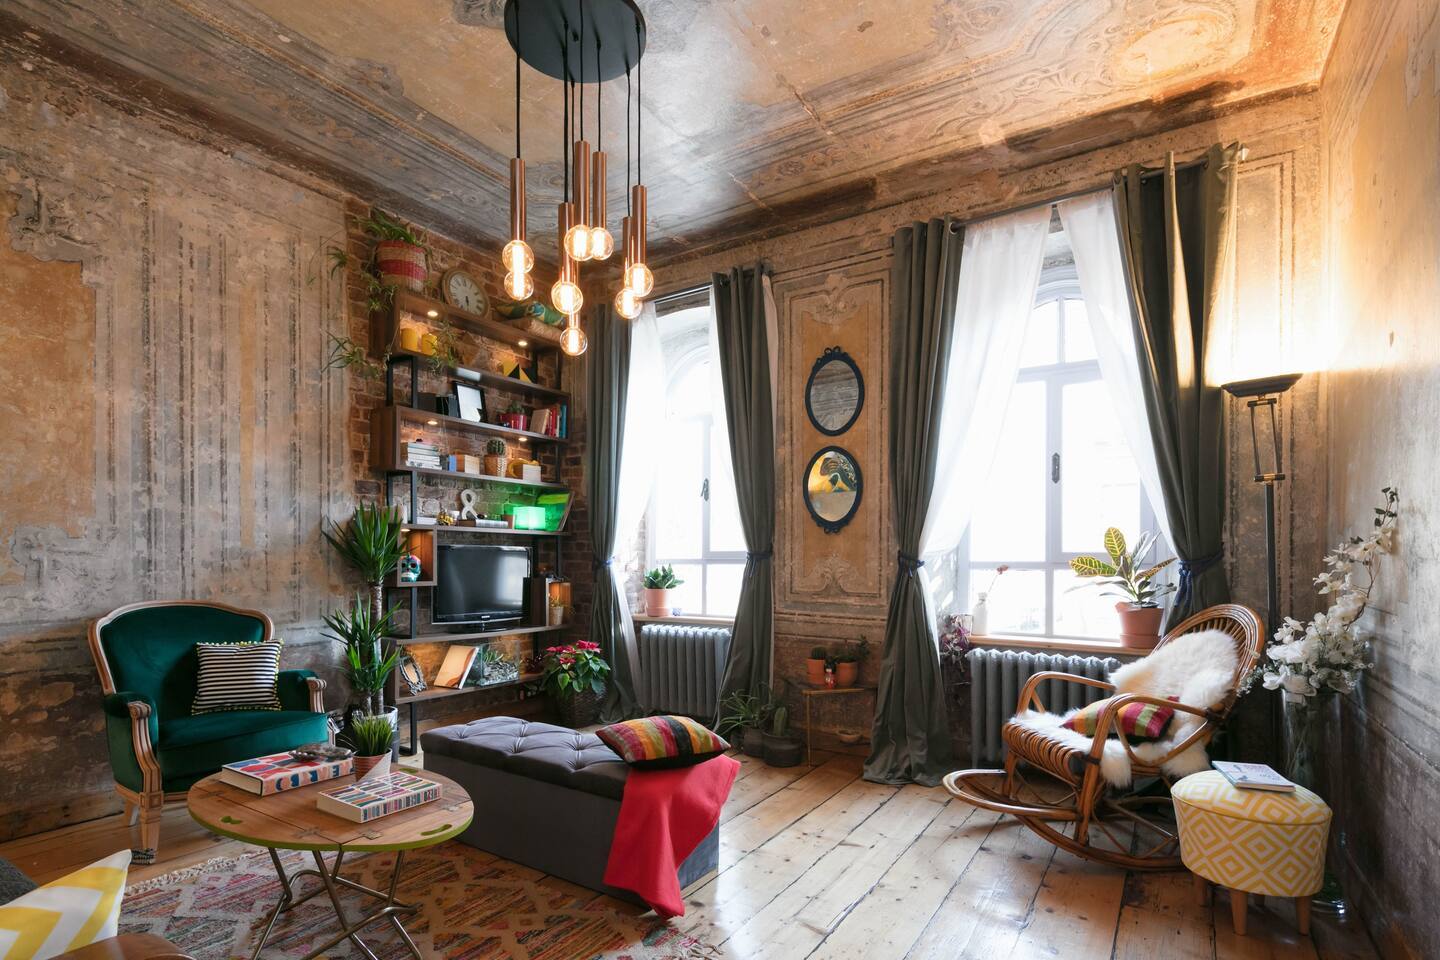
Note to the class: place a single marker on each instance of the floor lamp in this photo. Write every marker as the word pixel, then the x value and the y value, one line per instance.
pixel 1265 392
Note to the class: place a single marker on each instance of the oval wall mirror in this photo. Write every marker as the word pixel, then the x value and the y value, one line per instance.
pixel 833 486
pixel 834 393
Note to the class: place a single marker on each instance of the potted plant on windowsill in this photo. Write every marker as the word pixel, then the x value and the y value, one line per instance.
pixel 742 719
pixel 658 584
pixel 1121 576
pixel 574 676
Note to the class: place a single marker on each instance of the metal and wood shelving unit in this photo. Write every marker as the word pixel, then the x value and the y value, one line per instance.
pixel 387 426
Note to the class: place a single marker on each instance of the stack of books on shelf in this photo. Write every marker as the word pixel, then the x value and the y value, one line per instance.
pixel 463 463
pixel 425 455
pixel 552 421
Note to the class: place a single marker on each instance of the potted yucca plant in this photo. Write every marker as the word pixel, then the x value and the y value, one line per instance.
pixel 658 584
pixel 1122 576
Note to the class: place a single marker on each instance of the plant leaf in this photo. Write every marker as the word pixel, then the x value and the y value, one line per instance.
pixel 1115 543
pixel 1147 574
pixel 1091 567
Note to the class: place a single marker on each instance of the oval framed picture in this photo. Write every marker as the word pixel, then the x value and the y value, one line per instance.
pixel 832 488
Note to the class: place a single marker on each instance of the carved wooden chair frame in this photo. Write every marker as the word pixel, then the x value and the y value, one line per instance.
pixel 1085 799
pixel 148 803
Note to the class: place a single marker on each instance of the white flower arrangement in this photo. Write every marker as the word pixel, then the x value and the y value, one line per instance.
pixel 1328 653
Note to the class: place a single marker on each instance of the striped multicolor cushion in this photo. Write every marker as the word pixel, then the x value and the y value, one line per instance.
pixel 72 912
pixel 660 742
pixel 237 676
pixel 1138 721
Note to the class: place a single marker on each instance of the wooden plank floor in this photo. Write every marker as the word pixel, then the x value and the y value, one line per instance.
pixel 816 862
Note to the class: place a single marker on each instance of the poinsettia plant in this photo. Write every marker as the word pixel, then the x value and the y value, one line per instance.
pixel 574 668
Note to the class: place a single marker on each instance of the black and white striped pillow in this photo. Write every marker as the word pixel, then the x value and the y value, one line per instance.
pixel 237 676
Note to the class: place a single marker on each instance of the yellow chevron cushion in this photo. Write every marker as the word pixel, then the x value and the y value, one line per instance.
pixel 1257 841
pixel 72 912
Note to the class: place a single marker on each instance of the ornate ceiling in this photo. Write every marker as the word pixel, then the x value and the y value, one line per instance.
pixel 759 114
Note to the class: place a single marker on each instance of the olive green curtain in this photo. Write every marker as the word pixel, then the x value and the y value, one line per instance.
pixel 607 384
pixel 743 332
pixel 1177 230
pixel 911 740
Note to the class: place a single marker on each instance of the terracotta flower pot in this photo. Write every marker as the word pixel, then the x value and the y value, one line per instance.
pixel 364 766
pixel 657 602
pixel 847 674
pixel 815 672
pixel 1139 626
pixel 401 264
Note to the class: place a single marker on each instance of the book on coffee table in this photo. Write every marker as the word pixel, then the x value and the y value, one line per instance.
pixel 1253 776
pixel 376 797
pixel 280 771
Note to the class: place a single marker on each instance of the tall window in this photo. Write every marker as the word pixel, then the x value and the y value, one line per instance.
pixel 1062 474
pixel 694 521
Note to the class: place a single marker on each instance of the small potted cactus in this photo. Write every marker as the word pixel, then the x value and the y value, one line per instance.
pixel 815 667
pixel 782 749
pixel 497 457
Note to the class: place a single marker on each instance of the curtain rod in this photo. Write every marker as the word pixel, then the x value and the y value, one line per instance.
pixel 1144 174
pixel 681 294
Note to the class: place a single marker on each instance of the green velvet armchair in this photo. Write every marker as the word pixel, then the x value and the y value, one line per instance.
pixel 145 653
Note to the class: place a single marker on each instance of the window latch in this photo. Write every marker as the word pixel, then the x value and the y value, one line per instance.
pixel 705 490
pixel 1054 468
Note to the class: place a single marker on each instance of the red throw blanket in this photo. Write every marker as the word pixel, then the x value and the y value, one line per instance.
pixel 664 814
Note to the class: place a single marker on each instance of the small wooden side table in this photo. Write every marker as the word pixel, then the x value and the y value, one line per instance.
pixel 810 693
pixel 291 821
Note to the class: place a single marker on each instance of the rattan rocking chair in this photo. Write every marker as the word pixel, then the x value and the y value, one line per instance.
pixel 1059 791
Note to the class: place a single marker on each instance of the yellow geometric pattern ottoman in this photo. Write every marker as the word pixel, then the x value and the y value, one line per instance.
pixel 1252 841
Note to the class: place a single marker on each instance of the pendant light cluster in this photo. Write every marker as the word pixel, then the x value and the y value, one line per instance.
pixel 558 37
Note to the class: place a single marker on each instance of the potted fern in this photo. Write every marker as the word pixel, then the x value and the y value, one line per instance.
pixel 1122 576
pixel 658 584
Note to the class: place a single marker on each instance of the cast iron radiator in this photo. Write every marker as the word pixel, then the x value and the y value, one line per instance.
pixel 681 667
pixel 996 678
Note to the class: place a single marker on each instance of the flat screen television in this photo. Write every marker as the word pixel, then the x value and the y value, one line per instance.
pixel 480 583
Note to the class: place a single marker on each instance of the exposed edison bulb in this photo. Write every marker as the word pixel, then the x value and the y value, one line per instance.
pixel 566 297
pixel 519 286
pixel 627 304
pixel 577 242
pixel 517 257
pixel 573 341
pixel 639 279
pixel 602 244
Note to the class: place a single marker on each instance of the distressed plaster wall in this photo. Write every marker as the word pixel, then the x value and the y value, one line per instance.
pixel 167 428
pixel 832 287
pixel 1381 120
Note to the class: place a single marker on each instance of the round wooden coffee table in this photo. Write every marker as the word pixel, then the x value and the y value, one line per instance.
pixel 291 821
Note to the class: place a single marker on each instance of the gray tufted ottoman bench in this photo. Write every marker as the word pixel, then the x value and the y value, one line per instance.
pixel 545 796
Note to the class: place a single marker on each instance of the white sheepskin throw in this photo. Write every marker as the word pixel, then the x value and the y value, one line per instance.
pixel 1198 669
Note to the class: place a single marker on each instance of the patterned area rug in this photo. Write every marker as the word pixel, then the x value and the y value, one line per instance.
pixel 472 907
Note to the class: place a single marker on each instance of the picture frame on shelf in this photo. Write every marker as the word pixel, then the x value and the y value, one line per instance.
pixel 471 402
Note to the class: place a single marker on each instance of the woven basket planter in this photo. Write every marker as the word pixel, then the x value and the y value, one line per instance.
pixel 401 264
pixel 578 709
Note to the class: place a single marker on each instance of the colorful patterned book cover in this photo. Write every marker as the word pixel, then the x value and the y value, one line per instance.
pixel 280 771
pixel 376 797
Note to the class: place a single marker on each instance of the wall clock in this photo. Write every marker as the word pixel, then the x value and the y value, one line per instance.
pixel 462 290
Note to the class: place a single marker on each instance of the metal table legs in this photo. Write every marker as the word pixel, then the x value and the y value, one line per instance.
pixel 330 883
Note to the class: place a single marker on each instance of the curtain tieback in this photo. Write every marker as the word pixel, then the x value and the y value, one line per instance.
pixel 759 554
pixel 1189 570
pixel 608 561
pixel 909 563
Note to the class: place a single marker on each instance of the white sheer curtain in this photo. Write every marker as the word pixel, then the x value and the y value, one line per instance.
pixel 644 400
pixel 1094 236
pixel 999 271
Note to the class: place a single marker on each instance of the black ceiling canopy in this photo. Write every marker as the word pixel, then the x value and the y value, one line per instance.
pixel 617 26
